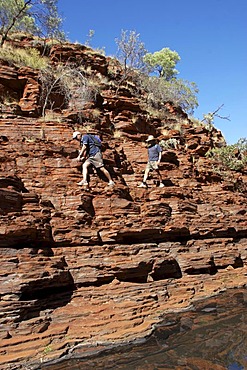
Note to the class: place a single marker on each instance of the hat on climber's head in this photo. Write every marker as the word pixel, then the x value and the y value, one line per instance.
pixel 150 138
pixel 75 134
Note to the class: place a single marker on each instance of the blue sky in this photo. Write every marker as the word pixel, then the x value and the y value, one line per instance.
pixel 209 36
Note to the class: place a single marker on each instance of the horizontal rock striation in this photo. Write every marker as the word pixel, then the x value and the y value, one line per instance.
pixel 83 268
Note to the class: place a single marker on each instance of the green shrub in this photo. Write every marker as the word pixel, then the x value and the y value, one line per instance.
pixel 23 57
pixel 233 157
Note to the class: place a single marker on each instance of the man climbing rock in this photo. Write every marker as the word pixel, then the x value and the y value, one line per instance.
pixel 154 157
pixel 91 152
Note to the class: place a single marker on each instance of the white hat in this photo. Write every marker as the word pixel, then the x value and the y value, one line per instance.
pixel 75 134
pixel 150 138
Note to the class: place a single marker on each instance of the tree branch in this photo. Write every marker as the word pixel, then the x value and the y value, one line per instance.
pixel 21 10
pixel 214 114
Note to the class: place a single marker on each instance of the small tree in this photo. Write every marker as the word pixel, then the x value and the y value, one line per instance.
pixel 180 92
pixel 89 37
pixel 66 82
pixel 163 62
pixel 210 116
pixel 130 53
pixel 166 87
pixel 183 93
pixel 131 50
pixel 39 17
pixel 47 19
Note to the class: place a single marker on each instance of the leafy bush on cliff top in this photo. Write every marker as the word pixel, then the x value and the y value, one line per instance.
pixel 180 92
pixel 233 157
pixel 166 87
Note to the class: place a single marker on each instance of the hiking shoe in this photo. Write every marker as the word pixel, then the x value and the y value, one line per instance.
pixel 111 183
pixel 142 185
pixel 82 182
pixel 161 185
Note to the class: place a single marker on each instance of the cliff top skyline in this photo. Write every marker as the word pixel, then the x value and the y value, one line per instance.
pixel 209 37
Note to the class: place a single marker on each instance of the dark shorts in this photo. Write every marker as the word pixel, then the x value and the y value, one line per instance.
pixel 96 161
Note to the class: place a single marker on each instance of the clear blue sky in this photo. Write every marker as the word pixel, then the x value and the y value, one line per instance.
pixel 209 35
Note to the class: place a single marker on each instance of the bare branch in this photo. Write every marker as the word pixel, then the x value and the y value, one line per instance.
pixel 217 110
pixel 214 114
pixel 69 83
pixel 221 117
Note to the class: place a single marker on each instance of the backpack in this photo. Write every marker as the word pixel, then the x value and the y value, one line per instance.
pixel 96 142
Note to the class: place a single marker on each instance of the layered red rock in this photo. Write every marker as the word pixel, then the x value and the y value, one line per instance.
pixel 80 268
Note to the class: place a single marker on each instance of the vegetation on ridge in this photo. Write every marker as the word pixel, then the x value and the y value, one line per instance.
pixel 38 17
pixel 231 157
pixel 29 57
pixel 144 74
pixel 166 87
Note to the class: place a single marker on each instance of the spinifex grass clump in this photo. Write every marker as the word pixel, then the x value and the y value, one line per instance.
pixel 23 57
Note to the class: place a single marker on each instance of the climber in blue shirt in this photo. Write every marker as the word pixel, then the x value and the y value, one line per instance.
pixel 91 152
pixel 154 158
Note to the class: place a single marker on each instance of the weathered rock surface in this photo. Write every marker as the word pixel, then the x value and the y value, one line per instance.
pixel 80 268
pixel 201 338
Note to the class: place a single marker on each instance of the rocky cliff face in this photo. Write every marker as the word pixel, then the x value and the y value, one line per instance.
pixel 83 268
